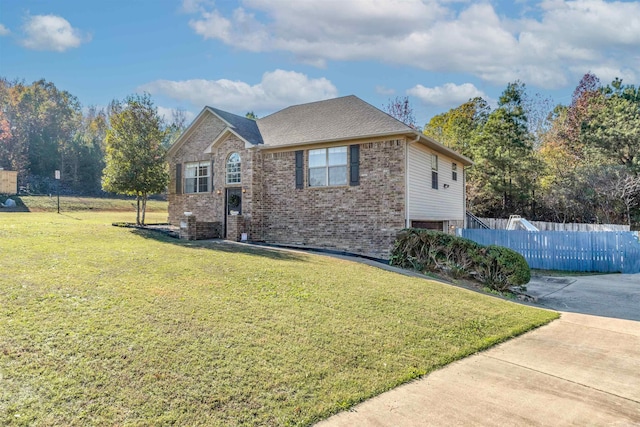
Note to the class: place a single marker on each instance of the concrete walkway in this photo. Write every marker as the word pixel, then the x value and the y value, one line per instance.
pixel 579 370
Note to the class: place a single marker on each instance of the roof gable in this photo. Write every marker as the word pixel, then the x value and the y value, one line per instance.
pixel 246 129
pixel 228 131
pixel 347 117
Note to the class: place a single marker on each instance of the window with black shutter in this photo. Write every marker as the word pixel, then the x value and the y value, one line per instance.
pixel 328 167
pixel 197 177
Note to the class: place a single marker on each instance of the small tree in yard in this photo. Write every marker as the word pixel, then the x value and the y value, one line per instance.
pixel 135 156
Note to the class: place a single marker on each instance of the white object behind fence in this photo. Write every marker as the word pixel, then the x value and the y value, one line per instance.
pixel 516 222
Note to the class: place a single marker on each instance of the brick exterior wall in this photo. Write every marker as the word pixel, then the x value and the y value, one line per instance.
pixel 192 229
pixel 235 227
pixel 210 207
pixel 204 206
pixel 363 219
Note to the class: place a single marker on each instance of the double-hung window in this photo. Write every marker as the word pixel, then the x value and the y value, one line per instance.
pixel 434 171
pixel 328 166
pixel 197 177
pixel 454 171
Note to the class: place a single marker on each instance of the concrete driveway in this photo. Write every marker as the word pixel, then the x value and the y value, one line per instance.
pixel 579 370
pixel 609 295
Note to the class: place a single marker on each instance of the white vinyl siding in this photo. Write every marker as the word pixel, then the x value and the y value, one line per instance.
pixel 426 203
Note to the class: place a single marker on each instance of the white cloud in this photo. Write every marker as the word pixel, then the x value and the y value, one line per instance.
pixel 193 6
pixel 607 73
pixel 277 89
pixel 449 94
pixel 4 30
pixel 50 32
pixel 381 90
pixel 436 35
pixel 212 26
pixel 167 114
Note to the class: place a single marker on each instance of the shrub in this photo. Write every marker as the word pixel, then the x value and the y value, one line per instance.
pixel 501 268
pixel 432 251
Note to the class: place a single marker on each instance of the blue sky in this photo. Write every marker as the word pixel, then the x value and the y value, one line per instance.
pixel 263 55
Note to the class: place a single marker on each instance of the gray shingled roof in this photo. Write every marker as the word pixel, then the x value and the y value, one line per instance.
pixel 246 128
pixel 340 118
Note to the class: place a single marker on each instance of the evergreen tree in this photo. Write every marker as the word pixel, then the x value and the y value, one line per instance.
pixel 613 126
pixel 503 178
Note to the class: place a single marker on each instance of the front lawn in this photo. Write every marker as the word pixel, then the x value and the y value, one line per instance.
pixel 81 203
pixel 101 325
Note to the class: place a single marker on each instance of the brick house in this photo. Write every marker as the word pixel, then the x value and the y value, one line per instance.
pixel 337 174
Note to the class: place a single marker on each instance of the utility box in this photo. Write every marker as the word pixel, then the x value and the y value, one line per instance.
pixel 8 182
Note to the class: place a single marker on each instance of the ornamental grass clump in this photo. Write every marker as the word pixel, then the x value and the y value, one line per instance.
pixel 430 251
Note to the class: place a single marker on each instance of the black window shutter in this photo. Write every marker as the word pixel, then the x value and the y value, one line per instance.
pixel 354 175
pixel 178 178
pixel 300 169
pixel 211 174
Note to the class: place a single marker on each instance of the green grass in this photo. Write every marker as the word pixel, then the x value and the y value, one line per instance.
pixel 102 325
pixel 72 204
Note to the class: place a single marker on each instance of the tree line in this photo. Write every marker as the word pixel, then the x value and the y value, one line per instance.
pixel 569 163
pixel 43 129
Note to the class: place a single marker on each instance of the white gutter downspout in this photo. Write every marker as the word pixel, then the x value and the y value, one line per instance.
pixel 407 220
pixel 464 199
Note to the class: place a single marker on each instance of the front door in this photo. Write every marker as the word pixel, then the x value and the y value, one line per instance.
pixel 234 201
pixel 233 205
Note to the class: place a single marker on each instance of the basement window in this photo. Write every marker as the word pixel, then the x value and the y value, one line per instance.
pixel 428 225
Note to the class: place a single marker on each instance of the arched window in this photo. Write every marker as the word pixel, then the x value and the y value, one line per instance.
pixel 233 169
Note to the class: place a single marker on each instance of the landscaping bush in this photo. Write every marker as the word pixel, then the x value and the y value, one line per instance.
pixel 432 251
pixel 500 268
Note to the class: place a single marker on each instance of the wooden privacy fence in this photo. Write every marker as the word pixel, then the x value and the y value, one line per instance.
pixel 602 251
pixel 8 182
pixel 501 224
